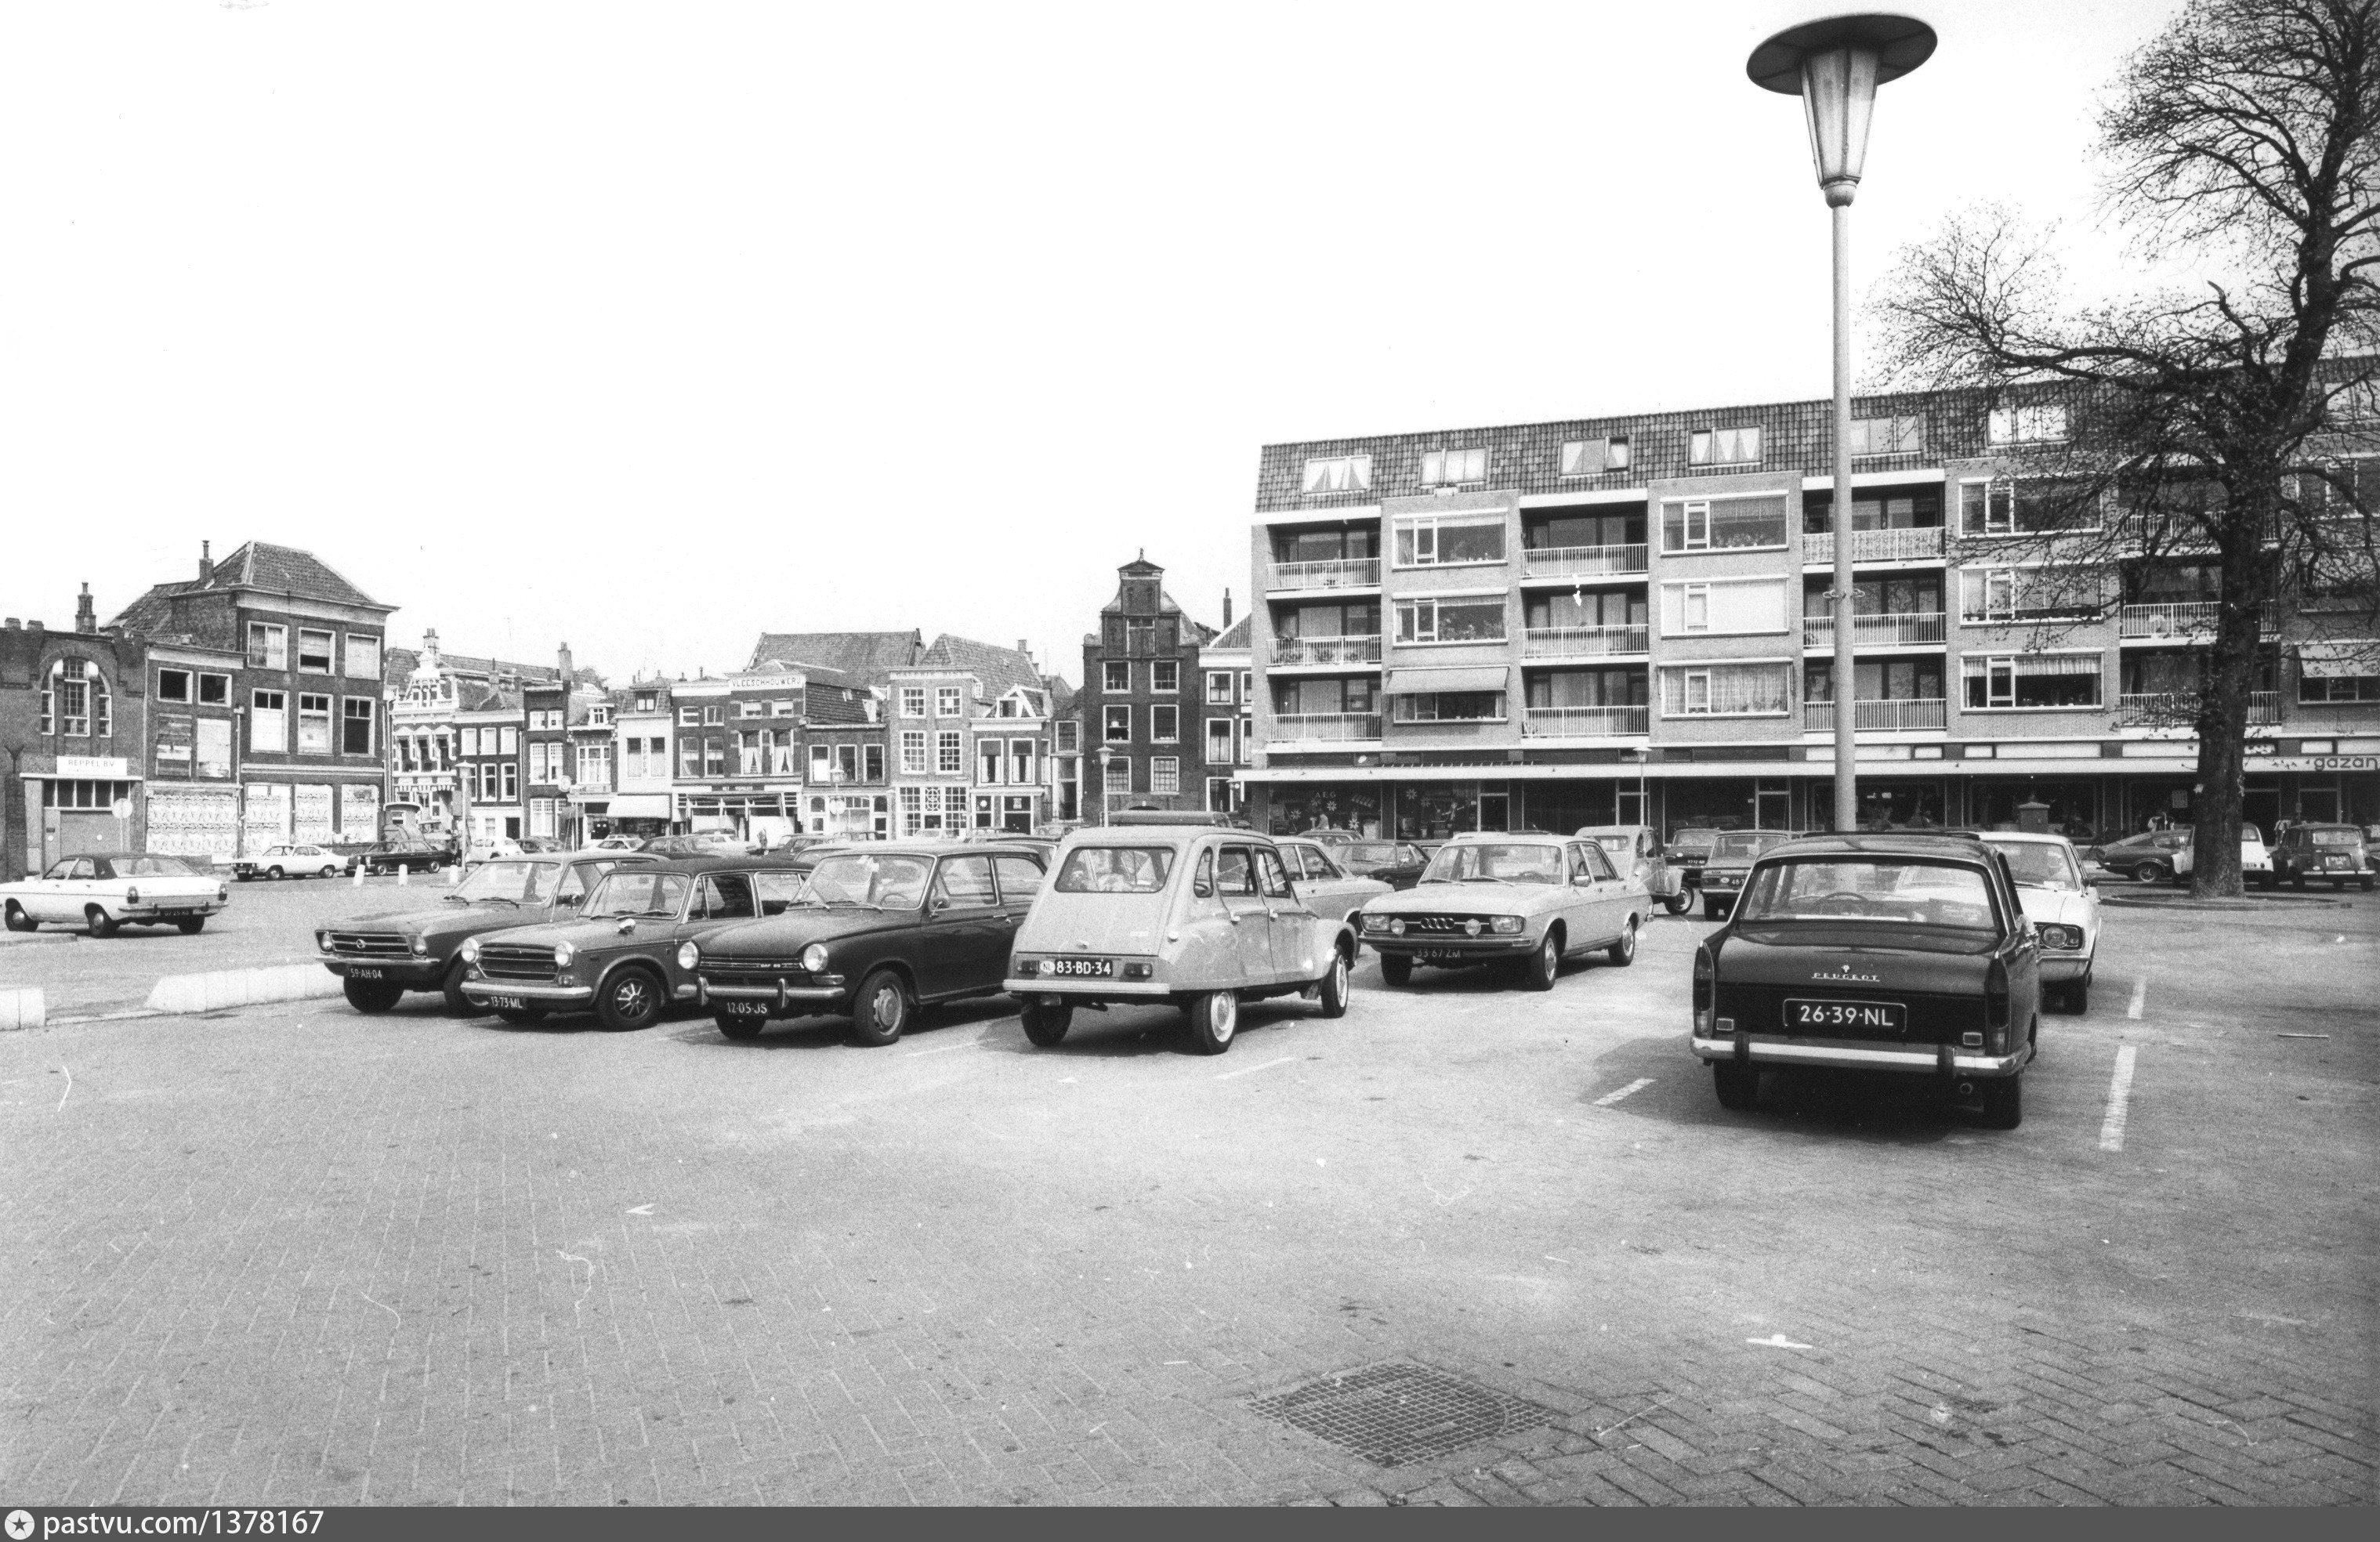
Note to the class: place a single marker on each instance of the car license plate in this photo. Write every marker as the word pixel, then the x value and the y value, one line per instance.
pixel 358 972
pixel 1084 968
pixel 1439 955
pixel 1857 1017
pixel 508 1003
pixel 745 1009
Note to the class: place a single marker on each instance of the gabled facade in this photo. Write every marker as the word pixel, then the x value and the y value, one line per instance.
pixel 450 717
pixel 75 742
pixel 643 802
pixel 1144 723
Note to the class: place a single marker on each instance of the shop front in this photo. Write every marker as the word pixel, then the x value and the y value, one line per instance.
pixel 749 815
pixel 68 814
pixel 641 815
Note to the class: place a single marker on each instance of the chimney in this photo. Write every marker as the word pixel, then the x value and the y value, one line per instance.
pixel 85 620
pixel 429 650
pixel 1227 609
pixel 565 663
pixel 35 624
pixel 206 561
pixel 14 623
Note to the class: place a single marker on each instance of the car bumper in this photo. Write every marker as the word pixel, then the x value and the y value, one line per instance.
pixel 2059 968
pixel 480 993
pixel 415 974
pixel 1758 1050
pixel 1090 989
pixel 780 995
pixel 169 911
pixel 1454 950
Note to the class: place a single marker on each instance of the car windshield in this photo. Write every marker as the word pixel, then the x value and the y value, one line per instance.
pixel 1497 861
pixel 636 892
pixel 886 882
pixel 153 867
pixel 2336 838
pixel 1693 840
pixel 2039 864
pixel 1742 845
pixel 1368 851
pixel 1896 890
pixel 511 883
pixel 1114 870
pixel 1622 847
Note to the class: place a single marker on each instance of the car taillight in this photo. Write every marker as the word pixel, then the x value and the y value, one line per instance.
pixel 1706 988
pixel 1995 1008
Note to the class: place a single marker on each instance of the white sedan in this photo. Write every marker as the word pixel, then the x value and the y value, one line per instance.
pixel 2062 907
pixel 101 893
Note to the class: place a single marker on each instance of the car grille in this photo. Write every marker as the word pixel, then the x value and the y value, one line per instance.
pixel 369 944
pixel 1933 1018
pixel 753 971
pixel 1443 926
pixel 513 961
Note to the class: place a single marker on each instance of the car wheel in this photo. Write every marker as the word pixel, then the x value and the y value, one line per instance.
pixel 1623 952
pixel 1545 965
pixel 739 1027
pixel 451 989
pixel 372 997
pixel 17 919
pixel 2004 1103
pixel 95 921
pixel 330 872
pixel 190 926
pixel 1396 969
pixel 1676 903
pixel 1334 985
pixel 2078 998
pixel 1047 1025
pixel 2145 873
pixel 1214 1018
pixel 882 1011
pixel 1738 1086
pixel 631 998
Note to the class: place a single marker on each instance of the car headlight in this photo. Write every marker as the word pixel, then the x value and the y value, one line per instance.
pixel 688 955
pixel 2068 938
pixel 421 948
pixel 323 940
pixel 1396 926
pixel 814 958
pixel 1375 923
pixel 470 949
pixel 563 953
pixel 1508 925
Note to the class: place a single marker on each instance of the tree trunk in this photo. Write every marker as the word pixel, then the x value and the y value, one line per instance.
pixel 2226 693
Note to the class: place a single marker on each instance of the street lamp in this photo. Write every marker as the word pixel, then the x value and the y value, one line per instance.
pixel 1834 66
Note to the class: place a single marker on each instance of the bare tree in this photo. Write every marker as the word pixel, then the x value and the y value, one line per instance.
pixel 2224 423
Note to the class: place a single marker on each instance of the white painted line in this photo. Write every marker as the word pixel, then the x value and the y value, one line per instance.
pixel 946 1049
pixel 1252 1070
pixel 25 1008
pixel 1776 1341
pixel 1639 1085
pixel 2139 997
pixel 2119 1098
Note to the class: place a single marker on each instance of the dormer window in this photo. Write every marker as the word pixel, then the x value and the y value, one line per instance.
pixel 1339 474
pixel 1738 446
pixel 1453 467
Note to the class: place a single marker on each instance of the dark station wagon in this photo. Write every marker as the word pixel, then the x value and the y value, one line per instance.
pixel 1901 953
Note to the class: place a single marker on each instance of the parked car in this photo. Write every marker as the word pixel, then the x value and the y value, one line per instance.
pixel 616 843
pixel 2371 846
pixel 382 957
pixel 289 861
pixel 2148 857
pixel 1901 953
pixel 621 952
pixel 874 935
pixel 1688 850
pixel 496 850
pixel 532 845
pixel 1323 883
pixel 708 843
pixel 1202 916
pixel 1397 864
pixel 1636 850
pixel 2336 853
pixel 1504 898
pixel 388 856
pixel 2062 907
pixel 102 891
pixel 2255 861
pixel 1729 862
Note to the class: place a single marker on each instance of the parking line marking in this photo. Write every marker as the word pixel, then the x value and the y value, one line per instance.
pixel 2120 1100
pixel 1639 1085
pixel 946 1049
pixel 2139 997
pixel 1252 1070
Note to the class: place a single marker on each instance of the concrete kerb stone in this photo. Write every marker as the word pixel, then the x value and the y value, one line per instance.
pixel 22 1008
pixel 181 995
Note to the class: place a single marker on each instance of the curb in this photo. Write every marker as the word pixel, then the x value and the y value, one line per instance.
pixel 180 995
pixel 2245 902
pixel 22 1009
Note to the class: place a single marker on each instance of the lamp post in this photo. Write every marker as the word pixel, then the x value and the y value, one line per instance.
pixel 1834 66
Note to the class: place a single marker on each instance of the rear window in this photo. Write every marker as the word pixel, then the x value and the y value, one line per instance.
pixel 1892 891
pixel 2336 838
pixel 1114 870
pixel 1368 851
pixel 151 866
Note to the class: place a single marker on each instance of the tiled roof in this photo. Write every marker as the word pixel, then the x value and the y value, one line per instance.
pixel 1001 670
pixel 864 657
pixel 258 566
pixel 1235 638
pixel 827 705
pixel 397 665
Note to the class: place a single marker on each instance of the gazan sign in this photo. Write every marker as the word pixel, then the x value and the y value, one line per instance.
pixel 2318 762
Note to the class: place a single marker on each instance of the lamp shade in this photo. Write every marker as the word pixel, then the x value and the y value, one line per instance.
pixel 1834 66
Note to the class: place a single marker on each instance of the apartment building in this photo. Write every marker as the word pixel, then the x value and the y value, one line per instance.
pixel 1554 624
pixel 1141 706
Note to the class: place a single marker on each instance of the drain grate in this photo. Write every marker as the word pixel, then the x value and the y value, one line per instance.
pixel 1395 1414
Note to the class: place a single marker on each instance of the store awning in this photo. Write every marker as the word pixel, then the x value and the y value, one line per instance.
pixel 2337 660
pixel 641 806
pixel 1409 682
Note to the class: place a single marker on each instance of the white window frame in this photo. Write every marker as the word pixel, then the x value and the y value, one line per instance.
pixel 276 641
pixel 1108 719
pixel 1109 671
pixel 1432 639
pixel 1161 730
pixel 329 653
pixel 1423 530
pixel 323 715
pixel 946 701
pixel 913 752
pixel 1165 677
pixel 1164 775
pixel 950 753
pixel 189 686
pixel 1611 452
pixel 913 701
pixel 361 656
pixel 1219 737
pixel 1997 667
pixel 2033 423
pixel 1454 467
pixel 1700 589
pixel 1219 688
pixel 1330 473
pixel 1704 446
pixel 1704 675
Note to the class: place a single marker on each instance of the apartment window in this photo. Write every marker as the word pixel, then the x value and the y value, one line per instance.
pixel 511 775
pixel 781 709
pixel 1247 741
pixel 540 816
pixel 821 765
pixel 1726 690
pixel 172 685
pixel 1219 688
pixel 913 751
pixel 1468 619
pixel 73 704
pixel 2031 681
pixel 1070 737
pixel 1164 725
pixel 1115 678
pixel 690 717
pixel 752 708
pixel 1165 677
pixel 2045 423
pixel 689 758
pixel 595 765
pixel 1116 775
pixel 599 717
pixel 268 646
pixel 1118 725
pixel 1897 435
pixel 1451 542
pixel 872 760
pixel 1452 467
pixel 1723 523
pixel 713 717
pixel 314 652
pixel 1447 707
pixel 215 690
pixel 537 763
pixel 2031 505
pixel 1021 762
pixel 988 757
pixel 1165 774
pixel 949 756
pixel 507 740
pixel 357 715
pixel 1218 741
pixel 648 701
pixel 1247 684
pixel 2318 691
pixel 1339 474
pixel 1591 458
pixel 1756 606
pixel 1738 446
pixel 714 756
pixel 946 701
pixel 363 657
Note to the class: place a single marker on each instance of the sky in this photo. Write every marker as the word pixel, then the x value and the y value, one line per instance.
pixel 649 328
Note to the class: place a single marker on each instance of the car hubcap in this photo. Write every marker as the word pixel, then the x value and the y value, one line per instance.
pixel 888 1010
pixel 629 997
pixel 1225 1016
pixel 1339 980
pixel 1551 959
pixel 1628 942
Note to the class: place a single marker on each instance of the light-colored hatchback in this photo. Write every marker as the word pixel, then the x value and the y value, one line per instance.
pixel 1199 915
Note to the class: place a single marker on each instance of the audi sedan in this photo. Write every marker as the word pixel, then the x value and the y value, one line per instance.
pixel 1520 899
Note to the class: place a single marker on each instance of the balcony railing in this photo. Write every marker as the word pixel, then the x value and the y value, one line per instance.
pixel 1585 722
pixel 2178 618
pixel 1582 642
pixel 1327 651
pixel 1350 573
pixel 1818 716
pixel 1584 562
pixel 2179 709
pixel 1920 543
pixel 1878 631
pixel 1326 726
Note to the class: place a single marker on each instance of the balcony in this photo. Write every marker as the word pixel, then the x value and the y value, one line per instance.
pixel 1582 642
pixel 1348 573
pixel 2194 620
pixel 2179 709
pixel 1920 543
pixel 1917 629
pixel 1885 716
pixel 1310 652
pixel 1584 562
pixel 1575 723
pixel 1307 727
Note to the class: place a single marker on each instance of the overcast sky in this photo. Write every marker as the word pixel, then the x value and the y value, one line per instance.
pixel 650 327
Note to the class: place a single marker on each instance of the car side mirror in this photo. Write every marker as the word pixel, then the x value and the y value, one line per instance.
pixel 941 902
pixel 1203 891
pixel 1580 880
pixel 628 924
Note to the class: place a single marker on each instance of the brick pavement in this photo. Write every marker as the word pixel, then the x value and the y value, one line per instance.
pixel 293 1256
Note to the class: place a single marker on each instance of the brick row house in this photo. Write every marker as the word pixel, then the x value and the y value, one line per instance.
pixel 456 722
pixel 75 732
pixel 1143 700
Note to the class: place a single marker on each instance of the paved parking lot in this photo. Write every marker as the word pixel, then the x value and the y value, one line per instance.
pixel 296 1255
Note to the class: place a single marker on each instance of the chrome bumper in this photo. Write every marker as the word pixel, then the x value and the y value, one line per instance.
pixel 1759 1050
pixel 423 973
pixel 2064 967
pixel 559 995
pixel 1089 988
pixel 781 994
pixel 1466 947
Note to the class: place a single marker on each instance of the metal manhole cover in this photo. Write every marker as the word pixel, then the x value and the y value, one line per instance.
pixel 1394 1414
